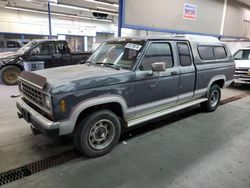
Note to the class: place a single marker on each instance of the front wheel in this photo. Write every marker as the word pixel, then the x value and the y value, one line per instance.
pixel 98 133
pixel 213 101
pixel 9 74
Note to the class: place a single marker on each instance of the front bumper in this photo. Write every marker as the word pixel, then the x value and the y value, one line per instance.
pixel 39 122
pixel 242 80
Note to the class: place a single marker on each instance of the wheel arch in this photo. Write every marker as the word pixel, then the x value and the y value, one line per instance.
pixel 116 104
pixel 16 65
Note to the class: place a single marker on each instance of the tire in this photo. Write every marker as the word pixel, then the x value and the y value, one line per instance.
pixel 9 74
pixel 97 133
pixel 213 101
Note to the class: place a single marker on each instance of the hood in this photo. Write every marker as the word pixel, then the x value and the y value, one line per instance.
pixel 242 63
pixel 8 55
pixel 79 77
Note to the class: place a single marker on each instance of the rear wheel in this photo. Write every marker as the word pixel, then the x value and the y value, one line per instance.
pixel 98 133
pixel 213 101
pixel 9 75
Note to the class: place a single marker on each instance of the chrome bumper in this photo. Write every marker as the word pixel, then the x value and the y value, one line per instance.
pixel 39 122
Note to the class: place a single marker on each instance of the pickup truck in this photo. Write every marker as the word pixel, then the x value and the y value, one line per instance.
pixel 242 67
pixel 126 82
pixel 53 53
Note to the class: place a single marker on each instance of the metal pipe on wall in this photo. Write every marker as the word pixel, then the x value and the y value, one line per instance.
pixel 49 17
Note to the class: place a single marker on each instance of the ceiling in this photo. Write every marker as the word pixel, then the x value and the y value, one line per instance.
pixel 74 8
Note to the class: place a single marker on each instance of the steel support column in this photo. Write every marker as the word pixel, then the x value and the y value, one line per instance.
pixel 49 17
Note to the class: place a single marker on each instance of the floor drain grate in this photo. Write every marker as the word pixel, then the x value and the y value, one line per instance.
pixel 38 166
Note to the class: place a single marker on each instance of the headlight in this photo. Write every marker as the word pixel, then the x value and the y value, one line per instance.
pixel 47 102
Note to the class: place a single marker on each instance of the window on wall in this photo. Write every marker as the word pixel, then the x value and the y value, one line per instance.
pixel 184 54
pixel 1 44
pixel 157 52
pixel 12 44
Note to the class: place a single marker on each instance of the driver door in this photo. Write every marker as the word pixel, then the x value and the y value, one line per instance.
pixel 156 91
pixel 42 52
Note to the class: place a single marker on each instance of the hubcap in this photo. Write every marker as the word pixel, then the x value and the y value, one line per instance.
pixel 10 76
pixel 101 134
pixel 214 98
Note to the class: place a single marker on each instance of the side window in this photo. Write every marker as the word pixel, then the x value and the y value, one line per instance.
pixel 219 52
pixel 62 48
pixel 206 52
pixel 11 44
pixel 43 49
pixel 184 54
pixel 157 52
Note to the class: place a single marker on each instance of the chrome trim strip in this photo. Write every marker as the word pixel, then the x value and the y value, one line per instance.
pixel 164 112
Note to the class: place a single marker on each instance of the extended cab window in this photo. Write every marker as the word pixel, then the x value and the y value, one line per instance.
pixel 157 52
pixel 219 52
pixel 212 52
pixel 206 52
pixel 62 48
pixel 184 54
pixel 242 55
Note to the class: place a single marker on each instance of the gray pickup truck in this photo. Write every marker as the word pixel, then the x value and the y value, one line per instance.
pixel 126 82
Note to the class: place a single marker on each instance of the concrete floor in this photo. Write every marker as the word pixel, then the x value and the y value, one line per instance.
pixel 188 149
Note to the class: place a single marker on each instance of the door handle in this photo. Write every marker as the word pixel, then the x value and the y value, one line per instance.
pixel 174 73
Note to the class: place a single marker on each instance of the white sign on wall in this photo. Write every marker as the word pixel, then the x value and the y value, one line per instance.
pixel 189 11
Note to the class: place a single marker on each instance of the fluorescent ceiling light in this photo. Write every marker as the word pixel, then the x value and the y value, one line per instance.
pixel 103 3
pixel 57 14
pixel 108 9
pixel 82 8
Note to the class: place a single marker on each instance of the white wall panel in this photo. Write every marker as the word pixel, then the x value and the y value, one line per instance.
pixel 12 21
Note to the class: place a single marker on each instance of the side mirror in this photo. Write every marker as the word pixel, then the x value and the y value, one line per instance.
pixel 158 67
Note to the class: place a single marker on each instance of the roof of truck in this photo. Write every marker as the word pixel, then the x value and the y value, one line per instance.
pixel 195 38
pixel 47 40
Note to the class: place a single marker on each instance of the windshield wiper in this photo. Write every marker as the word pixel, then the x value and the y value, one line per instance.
pixel 108 65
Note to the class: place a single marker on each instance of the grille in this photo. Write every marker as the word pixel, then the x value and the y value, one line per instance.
pixel 33 94
pixel 241 71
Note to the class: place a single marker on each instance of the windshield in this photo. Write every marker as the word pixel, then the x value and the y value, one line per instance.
pixel 26 47
pixel 242 55
pixel 119 54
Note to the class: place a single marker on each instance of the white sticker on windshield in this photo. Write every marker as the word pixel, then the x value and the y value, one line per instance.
pixel 132 46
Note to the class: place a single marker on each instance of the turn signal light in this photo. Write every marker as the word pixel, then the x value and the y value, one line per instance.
pixel 62 106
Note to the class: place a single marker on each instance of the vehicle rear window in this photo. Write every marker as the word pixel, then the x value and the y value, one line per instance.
pixel 184 54
pixel 212 52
